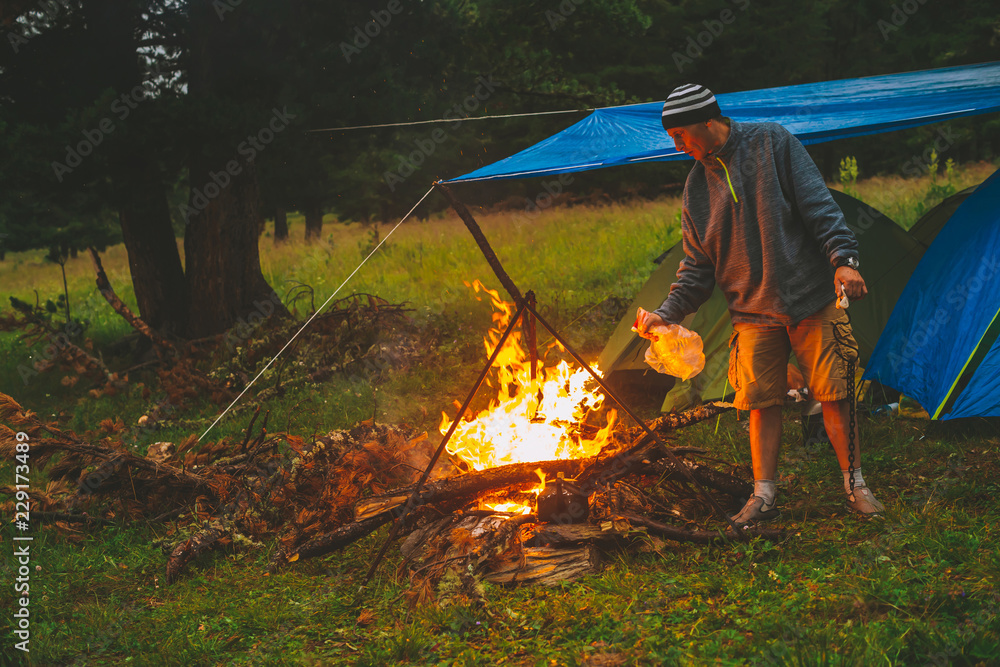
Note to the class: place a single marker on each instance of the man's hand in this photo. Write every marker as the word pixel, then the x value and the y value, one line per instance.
pixel 644 321
pixel 854 284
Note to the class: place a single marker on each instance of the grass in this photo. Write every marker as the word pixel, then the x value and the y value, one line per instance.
pixel 904 200
pixel 840 590
pixel 915 588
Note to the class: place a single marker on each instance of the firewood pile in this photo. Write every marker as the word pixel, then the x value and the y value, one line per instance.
pixel 307 499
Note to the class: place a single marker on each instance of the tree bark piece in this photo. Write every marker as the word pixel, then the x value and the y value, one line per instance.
pixel 210 538
pixel 556 535
pixel 675 420
pixel 546 566
pixel 710 477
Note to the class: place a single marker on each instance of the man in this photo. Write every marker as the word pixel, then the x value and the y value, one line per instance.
pixel 759 221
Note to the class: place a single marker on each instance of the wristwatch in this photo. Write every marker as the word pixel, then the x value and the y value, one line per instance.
pixel 849 261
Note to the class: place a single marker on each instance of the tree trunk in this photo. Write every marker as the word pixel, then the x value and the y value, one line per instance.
pixel 223 265
pixel 314 222
pixel 154 263
pixel 139 194
pixel 222 269
pixel 280 226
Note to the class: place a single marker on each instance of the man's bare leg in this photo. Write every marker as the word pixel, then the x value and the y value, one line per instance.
pixel 765 439
pixel 837 420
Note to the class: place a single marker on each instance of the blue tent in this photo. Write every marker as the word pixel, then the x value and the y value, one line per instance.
pixel 814 112
pixel 941 343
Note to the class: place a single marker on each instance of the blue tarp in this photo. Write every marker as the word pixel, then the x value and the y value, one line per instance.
pixel 814 112
pixel 940 345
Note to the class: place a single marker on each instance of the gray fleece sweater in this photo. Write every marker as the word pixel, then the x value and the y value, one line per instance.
pixel 767 232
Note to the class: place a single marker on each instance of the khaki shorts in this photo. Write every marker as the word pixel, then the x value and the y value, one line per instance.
pixel 758 359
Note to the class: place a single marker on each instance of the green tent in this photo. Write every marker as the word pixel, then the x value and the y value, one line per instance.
pixel 888 256
pixel 926 228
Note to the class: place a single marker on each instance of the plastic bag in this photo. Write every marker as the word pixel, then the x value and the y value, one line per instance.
pixel 674 350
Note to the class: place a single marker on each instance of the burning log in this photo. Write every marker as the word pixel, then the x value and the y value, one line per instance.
pixel 470 486
pixel 464 490
pixel 604 468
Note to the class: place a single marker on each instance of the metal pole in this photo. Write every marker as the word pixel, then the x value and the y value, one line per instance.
pixel 529 333
pixel 413 501
pixel 670 455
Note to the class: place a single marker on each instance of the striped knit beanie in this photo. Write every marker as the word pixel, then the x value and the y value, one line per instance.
pixel 689 104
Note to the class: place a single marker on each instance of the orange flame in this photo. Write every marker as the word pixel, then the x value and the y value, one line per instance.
pixel 517 427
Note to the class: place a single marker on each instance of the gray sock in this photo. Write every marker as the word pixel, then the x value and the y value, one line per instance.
pixel 859 481
pixel 766 489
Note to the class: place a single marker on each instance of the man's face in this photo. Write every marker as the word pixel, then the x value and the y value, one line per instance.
pixel 695 140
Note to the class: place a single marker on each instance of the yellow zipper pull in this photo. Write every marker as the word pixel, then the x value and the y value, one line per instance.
pixel 724 168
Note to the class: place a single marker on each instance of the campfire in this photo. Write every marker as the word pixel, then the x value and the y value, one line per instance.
pixel 540 416
pixel 551 481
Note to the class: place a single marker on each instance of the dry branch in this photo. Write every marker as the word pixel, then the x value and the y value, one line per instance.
pixel 212 537
pixel 68 350
pixel 600 469
pixel 372 513
pixel 104 285
pixel 701 536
